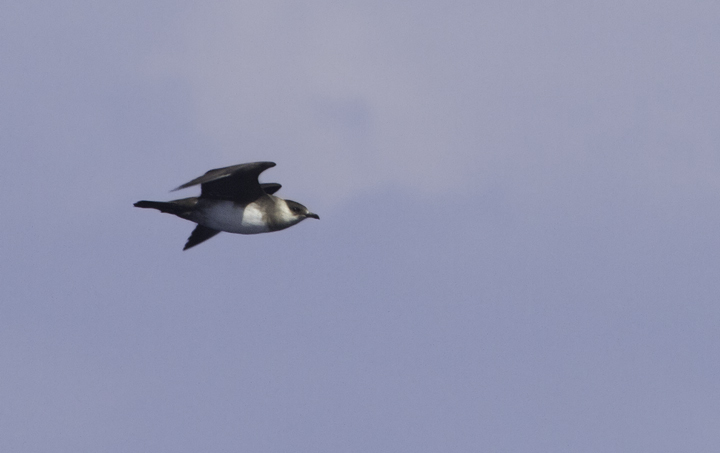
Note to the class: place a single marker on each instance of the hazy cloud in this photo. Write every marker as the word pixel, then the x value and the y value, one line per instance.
pixel 460 95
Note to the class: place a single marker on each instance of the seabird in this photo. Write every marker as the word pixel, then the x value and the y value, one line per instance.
pixel 231 199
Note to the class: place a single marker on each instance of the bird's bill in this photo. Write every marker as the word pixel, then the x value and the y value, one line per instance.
pixel 313 215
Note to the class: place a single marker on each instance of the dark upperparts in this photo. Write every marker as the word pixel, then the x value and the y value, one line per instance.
pixel 237 183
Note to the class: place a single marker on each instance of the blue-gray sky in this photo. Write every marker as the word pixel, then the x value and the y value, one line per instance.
pixel 518 248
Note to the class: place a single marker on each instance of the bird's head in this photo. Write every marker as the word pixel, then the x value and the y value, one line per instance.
pixel 299 211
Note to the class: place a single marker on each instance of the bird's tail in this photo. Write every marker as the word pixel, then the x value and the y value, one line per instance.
pixel 178 207
pixel 161 206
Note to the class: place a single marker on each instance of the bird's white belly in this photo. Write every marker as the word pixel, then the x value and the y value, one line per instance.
pixel 229 217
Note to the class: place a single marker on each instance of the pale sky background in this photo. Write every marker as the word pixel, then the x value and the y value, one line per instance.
pixel 518 250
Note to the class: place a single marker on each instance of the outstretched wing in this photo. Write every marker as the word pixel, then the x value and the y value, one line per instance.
pixel 270 187
pixel 199 234
pixel 237 183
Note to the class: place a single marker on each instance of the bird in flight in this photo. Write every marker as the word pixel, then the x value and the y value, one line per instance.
pixel 232 200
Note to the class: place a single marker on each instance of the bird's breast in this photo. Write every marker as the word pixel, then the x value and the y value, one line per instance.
pixel 233 218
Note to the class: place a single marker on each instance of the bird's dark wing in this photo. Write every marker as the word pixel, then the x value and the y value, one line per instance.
pixel 270 187
pixel 199 234
pixel 237 183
